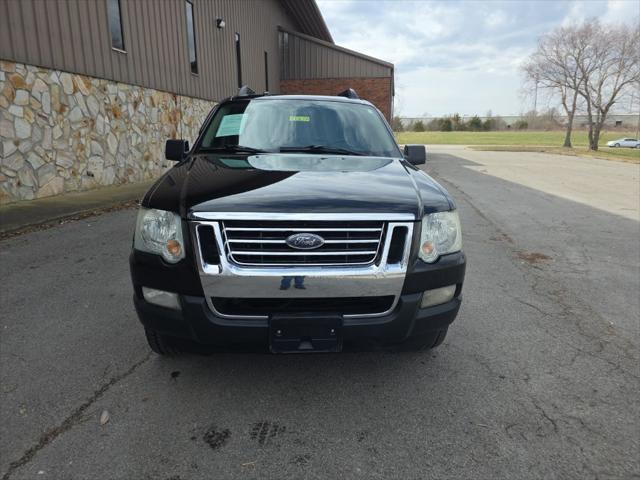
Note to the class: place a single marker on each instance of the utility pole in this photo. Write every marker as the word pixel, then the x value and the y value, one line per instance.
pixel 535 100
pixel 638 125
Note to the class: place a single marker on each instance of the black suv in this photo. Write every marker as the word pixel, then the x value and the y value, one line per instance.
pixel 296 224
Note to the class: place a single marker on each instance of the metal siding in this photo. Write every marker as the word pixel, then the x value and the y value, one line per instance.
pixel 42 29
pixel 95 38
pixel 14 26
pixel 172 35
pixel 30 26
pixel 6 49
pixel 67 44
pixel 30 29
pixel 85 29
pixel 307 59
pixel 149 52
pixel 104 37
pixel 74 36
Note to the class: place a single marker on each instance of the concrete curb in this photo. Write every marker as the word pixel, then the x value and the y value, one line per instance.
pixel 16 216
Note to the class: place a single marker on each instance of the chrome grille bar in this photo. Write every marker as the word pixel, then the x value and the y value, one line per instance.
pixel 235 229
pixel 247 240
pixel 263 242
pixel 311 254
pixel 325 277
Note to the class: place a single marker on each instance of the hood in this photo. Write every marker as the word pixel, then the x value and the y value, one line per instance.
pixel 296 183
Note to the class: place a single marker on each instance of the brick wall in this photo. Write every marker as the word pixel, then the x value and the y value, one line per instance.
pixel 375 90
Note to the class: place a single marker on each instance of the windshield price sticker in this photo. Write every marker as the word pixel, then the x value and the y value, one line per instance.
pixel 231 125
pixel 299 118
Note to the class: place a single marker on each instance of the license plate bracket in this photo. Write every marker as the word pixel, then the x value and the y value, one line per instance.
pixel 305 334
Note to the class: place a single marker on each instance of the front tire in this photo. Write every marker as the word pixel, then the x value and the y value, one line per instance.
pixel 421 343
pixel 161 344
pixel 617 145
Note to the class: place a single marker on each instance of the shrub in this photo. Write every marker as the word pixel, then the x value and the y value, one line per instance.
pixel 418 126
pixel 457 123
pixel 475 124
pixel 521 125
pixel 446 125
pixel 396 124
pixel 434 125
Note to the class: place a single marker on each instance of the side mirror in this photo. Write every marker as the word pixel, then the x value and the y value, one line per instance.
pixel 415 154
pixel 176 149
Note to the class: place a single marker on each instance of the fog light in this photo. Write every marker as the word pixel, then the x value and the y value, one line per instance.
pixel 161 298
pixel 437 296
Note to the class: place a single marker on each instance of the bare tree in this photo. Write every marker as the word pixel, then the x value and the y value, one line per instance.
pixel 609 68
pixel 593 62
pixel 554 66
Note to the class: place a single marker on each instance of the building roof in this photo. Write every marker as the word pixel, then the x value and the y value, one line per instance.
pixel 307 14
pixel 338 48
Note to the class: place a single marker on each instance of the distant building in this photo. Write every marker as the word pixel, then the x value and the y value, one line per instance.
pixel 91 89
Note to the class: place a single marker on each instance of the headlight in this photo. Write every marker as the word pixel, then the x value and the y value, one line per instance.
pixel 440 235
pixel 160 232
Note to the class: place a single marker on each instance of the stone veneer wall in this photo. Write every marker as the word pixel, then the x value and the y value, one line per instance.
pixel 61 132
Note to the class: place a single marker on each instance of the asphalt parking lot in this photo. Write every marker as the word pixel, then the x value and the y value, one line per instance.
pixel 538 377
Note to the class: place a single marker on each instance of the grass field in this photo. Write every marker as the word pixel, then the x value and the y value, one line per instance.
pixel 525 141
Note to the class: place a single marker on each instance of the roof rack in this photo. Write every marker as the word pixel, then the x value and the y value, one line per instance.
pixel 349 93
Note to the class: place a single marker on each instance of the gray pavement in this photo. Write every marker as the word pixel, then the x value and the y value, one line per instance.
pixel 17 216
pixel 538 378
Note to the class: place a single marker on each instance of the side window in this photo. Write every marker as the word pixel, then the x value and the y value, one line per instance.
pixel 115 24
pixel 266 72
pixel 238 60
pixel 191 38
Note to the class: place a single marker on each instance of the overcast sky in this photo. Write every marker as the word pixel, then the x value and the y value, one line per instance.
pixel 458 56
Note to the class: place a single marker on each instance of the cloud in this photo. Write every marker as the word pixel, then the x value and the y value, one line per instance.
pixel 622 11
pixel 495 19
pixel 459 56
pixel 611 11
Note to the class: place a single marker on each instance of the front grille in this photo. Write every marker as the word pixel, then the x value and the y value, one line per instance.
pixel 269 306
pixel 258 242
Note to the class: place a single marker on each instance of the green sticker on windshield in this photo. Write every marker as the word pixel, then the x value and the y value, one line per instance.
pixel 299 118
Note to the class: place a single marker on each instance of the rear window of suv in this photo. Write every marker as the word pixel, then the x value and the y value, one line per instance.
pixel 273 124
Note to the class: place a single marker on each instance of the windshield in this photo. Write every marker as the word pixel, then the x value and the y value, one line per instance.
pixel 300 125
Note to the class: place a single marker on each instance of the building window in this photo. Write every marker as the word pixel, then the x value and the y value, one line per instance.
pixel 238 60
pixel 266 72
pixel 191 39
pixel 115 24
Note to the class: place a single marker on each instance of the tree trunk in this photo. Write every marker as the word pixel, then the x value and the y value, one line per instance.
pixel 570 116
pixel 589 119
pixel 568 111
pixel 567 135
pixel 596 137
pixel 593 144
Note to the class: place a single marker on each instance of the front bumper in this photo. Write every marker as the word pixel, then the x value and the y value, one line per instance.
pixel 197 322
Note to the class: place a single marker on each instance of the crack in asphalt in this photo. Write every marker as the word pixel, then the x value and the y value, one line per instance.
pixel 76 417
pixel 544 413
pixel 568 307
pixel 624 347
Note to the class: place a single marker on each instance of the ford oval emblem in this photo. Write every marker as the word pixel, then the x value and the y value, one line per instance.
pixel 304 241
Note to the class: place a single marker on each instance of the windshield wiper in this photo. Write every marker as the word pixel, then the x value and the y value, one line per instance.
pixel 322 149
pixel 233 149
